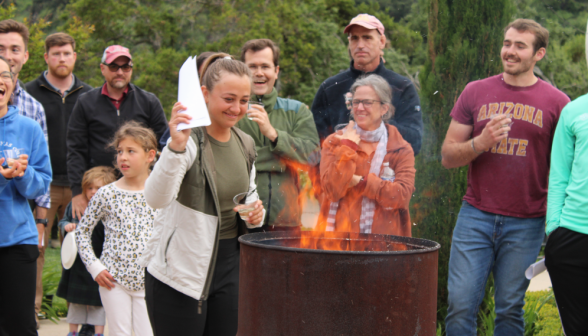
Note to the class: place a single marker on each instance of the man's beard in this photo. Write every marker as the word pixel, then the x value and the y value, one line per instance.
pixel 523 67
pixel 119 84
pixel 61 71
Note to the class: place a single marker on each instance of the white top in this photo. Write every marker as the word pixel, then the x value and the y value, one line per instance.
pixel 128 223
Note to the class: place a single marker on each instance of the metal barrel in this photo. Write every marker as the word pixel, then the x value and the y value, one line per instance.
pixel 385 285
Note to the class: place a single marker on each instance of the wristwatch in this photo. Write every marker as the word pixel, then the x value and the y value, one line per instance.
pixel 41 221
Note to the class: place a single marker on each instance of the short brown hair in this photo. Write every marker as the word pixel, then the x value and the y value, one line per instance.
pixel 215 64
pixel 259 45
pixel 59 40
pixel 526 25
pixel 103 173
pixel 140 134
pixel 11 26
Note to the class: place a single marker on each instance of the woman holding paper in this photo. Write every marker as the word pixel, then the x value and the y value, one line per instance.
pixel 192 259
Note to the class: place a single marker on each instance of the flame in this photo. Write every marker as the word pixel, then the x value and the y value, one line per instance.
pixel 319 239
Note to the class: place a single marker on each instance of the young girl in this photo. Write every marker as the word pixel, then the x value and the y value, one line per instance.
pixel 128 222
pixel 192 278
pixel 76 285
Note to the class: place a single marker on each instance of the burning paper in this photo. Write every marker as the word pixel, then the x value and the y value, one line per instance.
pixel 190 95
pixel 535 269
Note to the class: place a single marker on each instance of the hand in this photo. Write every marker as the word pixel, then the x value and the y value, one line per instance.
pixel 78 206
pixel 354 181
pixel 256 215
pixel 179 139
pixel 104 279
pixel 70 227
pixel 494 131
pixel 17 169
pixel 350 133
pixel 258 114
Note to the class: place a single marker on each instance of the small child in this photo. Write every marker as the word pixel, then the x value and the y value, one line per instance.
pixel 128 223
pixel 76 284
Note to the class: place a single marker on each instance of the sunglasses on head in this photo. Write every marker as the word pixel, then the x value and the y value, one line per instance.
pixel 114 67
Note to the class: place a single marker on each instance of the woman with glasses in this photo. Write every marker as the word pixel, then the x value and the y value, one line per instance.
pixel 367 169
pixel 25 173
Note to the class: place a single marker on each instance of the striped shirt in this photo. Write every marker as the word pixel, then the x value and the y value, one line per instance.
pixel 31 108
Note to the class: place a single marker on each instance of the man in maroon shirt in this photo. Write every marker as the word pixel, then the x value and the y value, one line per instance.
pixel 502 127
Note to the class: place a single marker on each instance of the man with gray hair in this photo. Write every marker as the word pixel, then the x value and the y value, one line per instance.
pixel 366 44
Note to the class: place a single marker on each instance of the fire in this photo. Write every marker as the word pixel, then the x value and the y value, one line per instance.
pixel 319 239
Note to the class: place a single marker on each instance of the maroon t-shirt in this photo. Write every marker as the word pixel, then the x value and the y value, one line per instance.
pixel 511 178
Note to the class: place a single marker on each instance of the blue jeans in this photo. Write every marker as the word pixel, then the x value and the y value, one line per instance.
pixel 484 242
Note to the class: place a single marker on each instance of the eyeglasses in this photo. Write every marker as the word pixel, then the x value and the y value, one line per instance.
pixel 367 103
pixel 6 76
pixel 113 67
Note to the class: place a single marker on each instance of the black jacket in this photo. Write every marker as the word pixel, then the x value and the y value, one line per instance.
pixel 94 121
pixel 329 107
pixel 57 112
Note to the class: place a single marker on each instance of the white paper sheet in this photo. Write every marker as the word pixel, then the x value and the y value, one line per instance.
pixel 190 95
pixel 535 269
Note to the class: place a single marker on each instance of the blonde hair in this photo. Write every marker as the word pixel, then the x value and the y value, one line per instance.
pixel 216 64
pixel 142 135
pixel 103 173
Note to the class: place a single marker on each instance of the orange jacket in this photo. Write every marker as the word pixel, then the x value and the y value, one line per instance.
pixel 340 161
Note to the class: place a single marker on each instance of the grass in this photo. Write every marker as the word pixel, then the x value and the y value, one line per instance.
pixel 51 277
pixel 541 315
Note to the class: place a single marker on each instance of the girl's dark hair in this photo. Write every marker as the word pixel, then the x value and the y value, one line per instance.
pixel 217 63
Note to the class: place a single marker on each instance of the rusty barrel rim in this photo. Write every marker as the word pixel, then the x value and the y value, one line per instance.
pixel 257 239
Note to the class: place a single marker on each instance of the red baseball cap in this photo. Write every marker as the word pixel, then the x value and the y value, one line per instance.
pixel 366 21
pixel 113 52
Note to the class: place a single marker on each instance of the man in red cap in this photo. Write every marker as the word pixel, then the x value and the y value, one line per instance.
pixel 366 44
pixel 99 113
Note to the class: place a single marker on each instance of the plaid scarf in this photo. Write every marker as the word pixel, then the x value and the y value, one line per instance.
pixel 368 206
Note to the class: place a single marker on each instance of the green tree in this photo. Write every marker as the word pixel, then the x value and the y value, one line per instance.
pixel 464 44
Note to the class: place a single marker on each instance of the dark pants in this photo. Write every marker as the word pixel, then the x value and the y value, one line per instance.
pixel 566 261
pixel 18 265
pixel 174 313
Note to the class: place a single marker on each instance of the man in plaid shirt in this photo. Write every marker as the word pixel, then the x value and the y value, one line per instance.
pixel 14 38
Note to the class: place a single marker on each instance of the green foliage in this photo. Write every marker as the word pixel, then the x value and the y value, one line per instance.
pixel 463 44
pixel 50 283
pixel 487 315
pixel 564 66
pixel 56 308
pixel 541 310
pixel 35 65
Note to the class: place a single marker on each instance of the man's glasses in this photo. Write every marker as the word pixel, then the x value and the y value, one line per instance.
pixel 367 103
pixel 113 67
pixel 6 76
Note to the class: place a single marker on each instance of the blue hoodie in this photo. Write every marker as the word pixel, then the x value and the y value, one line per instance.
pixel 17 225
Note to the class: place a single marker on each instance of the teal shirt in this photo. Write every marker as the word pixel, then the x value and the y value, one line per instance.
pixel 567 196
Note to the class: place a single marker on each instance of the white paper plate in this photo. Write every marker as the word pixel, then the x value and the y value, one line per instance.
pixel 69 250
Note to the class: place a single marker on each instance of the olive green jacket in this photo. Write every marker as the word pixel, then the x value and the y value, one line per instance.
pixel 277 164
